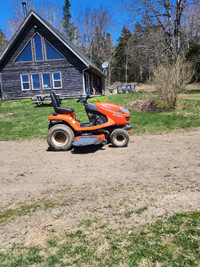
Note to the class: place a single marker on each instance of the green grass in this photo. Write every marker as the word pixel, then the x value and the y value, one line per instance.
pixel 195 91
pixel 26 209
pixel 21 120
pixel 172 241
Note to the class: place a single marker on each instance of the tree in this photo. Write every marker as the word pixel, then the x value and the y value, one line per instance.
pixel 168 84
pixel 122 56
pixel 51 13
pixel 68 26
pixel 18 16
pixel 3 41
pixel 168 16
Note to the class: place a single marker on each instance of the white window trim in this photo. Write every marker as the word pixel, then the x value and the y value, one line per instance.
pixel 30 81
pixel 43 81
pixel 22 87
pixel 31 74
pixel 57 80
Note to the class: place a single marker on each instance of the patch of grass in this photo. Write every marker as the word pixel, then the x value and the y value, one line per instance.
pixel 141 210
pixel 21 119
pixel 172 241
pixel 52 242
pixel 195 91
pixel 25 209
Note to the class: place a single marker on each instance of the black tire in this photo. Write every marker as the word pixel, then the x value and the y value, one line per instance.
pixel 119 138
pixel 60 137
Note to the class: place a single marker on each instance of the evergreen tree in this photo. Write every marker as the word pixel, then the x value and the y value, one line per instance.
pixel 68 26
pixel 122 57
pixel 3 41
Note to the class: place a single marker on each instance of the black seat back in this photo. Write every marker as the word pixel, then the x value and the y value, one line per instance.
pixel 56 105
pixel 54 100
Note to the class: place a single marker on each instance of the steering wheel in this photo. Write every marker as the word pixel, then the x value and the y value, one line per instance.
pixel 83 99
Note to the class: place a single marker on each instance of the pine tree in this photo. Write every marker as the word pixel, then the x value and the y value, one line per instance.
pixel 69 28
pixel 3 41
pixel 122 57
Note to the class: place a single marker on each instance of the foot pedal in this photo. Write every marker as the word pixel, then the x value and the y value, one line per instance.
pixel 87 141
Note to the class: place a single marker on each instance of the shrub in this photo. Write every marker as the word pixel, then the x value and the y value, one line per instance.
pixel 170 79
pixel 98 99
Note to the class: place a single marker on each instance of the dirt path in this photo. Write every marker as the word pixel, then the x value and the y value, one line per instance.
pixel 121 187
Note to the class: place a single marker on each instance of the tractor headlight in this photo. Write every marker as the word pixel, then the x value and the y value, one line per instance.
pixel 124 110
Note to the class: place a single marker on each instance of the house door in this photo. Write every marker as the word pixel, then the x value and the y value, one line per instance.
pixel 87 83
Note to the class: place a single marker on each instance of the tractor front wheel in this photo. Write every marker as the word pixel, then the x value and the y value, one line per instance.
pixel 119 138
pixel 60 137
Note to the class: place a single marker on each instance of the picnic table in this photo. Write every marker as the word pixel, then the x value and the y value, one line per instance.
pixel 44 99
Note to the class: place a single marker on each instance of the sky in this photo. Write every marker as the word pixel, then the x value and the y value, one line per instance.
pixel 5 13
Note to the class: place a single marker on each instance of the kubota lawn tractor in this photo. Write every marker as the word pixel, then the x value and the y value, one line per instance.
pixel 108 122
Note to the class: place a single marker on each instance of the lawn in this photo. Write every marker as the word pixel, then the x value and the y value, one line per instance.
pixel 171 241
pixel 23 120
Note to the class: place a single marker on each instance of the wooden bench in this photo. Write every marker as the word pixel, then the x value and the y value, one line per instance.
pixel 44 99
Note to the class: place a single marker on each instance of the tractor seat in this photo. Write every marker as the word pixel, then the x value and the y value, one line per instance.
pixel 56 105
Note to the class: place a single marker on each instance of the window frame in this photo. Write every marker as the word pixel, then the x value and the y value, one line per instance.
pixel 31 75
pixel 45 53
pixel 29 82
pixel 53 80
pixel 34 48
pixel 15 60
pixel 43 80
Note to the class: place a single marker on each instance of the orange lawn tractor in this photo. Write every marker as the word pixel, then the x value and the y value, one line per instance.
pixel 108 122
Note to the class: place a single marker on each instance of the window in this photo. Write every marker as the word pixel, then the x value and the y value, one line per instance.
pixel 57 80
pixel 25 82
pixel 38 47
pixel 51 52
pixel 35 81
pixel 26 54
pixel 46 81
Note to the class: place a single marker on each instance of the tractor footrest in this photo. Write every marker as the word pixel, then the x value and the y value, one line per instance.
pixel 87 141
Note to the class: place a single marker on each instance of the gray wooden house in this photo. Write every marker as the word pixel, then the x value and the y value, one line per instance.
pixel 39 59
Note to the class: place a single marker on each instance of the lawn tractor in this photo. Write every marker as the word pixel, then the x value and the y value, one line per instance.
pixel 107 123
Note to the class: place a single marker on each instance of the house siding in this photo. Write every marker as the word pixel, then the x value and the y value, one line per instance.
pixel 71 67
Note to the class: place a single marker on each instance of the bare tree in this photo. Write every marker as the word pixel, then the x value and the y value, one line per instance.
pixel 18 16
pixel 95 27
pixel 49 11
pixel 52 13
pixel 168 15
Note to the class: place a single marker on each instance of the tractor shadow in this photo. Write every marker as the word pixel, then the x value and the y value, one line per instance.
pixel 80 150
pixel 87 149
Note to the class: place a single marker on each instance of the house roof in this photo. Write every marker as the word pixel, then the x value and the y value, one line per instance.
pixel 61 37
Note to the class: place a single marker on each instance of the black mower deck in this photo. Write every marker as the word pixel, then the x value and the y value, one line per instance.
pixel 87 141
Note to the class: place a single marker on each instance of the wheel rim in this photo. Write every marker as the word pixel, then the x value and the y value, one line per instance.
pixel 120 139
pixel 59 138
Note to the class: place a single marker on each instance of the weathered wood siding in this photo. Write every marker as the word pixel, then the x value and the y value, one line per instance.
pixel 71 67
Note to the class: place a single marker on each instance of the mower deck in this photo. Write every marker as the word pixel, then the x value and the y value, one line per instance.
pixel 87 141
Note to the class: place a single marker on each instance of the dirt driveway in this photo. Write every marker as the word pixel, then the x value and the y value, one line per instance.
pixel 122 187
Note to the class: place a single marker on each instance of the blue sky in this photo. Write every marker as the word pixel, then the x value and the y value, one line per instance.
pixel 5 6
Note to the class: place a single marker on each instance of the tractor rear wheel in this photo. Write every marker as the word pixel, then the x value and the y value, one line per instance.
pixel 119 138
pixel 60 137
